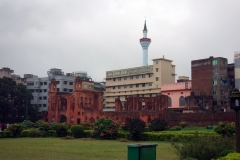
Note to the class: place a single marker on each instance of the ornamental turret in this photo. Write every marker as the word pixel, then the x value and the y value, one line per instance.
pixel 145 42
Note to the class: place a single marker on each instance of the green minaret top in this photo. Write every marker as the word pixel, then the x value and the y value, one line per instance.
pixel 145 26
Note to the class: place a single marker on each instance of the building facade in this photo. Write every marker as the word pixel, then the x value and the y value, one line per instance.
pixel 177 92
pixel 237 69
pixel 143 81
pixel 7 72
pixel 210 78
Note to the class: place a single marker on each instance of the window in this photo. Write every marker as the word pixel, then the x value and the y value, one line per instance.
pixel 114 79
pixel 215 82
pixel 119 87
pixel 65 82
pixel 143 76
pixel 45 83
pixel 125 78
pixel 186 85
pixel 143 85
pixel 58 89
pixel 70 90
pixel 150 75
pixel 150 95
pixel 125 86
pixel 119 79
pixel 70 83
pixel 84 86
pixel 113 87
pixel 137 85
pixel 45 98
pixel 169 102
pixel 156 62
pixel 40 98
pixel 40 90
pixel 214 92
pixel 150 84
pixel 181 101
pixel 41 83
pixel 30 83
pixel 64 89
pixel 214 62
pixel 39 113
pixel 142 95
pixel 40 105
pixel 45 90
pixel 156 69
pixel 131 86
pixel 57 82
pixel 44 105
pixel 157 78
pixel 137 77
pixel 131 77
pixel 78 113
pixel 215 70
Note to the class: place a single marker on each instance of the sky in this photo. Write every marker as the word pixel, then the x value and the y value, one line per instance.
pixel 103 35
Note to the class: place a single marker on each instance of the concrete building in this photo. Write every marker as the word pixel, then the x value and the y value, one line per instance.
pixel 7 72
pixel 210 78
pixel 143 81
pixel 237 69
pixel 176 93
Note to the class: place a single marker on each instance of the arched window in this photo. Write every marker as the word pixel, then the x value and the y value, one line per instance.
pixel 169 102
pixel 181 101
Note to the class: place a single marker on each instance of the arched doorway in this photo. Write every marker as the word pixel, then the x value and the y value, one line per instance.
pixel 63 119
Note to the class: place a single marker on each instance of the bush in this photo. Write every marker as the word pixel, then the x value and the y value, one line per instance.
pixel 105 129
pixel 225 152
pixel 27 124
pixel 190 159
pixel 157 124
pixel 175 128
pixel 203 147
pixel 77 131
pixel 37 123
pixel 225 128
pixel 44 126
pixel 5 134
pixel 135 127
pixel 87 126
pixel 61 129
pixel 231 156
pixel 183 124
pixel 15 129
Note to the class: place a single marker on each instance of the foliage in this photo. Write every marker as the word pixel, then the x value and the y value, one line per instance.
pixel 157 124
pixel 135 127
pixel 45 126
pixel 87 125
pixel 61 129
pixel 5 134
pixel 27 124
pixel 190 159
pixel 37 123
pixel 15 129
pixel 203 147
pixel 13 100
pixel 231 156
pixel 225 128
pixel 105 129
pixel 226 152
pixel 175 128
pixel 183 124
pixel 67 124
pixel 77 131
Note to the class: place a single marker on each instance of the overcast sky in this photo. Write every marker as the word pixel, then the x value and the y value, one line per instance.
pixel 101 35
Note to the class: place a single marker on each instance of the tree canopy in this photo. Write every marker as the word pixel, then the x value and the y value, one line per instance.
pixel 13 100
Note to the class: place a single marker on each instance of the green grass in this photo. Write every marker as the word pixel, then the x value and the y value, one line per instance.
pixel 194 128
pixel 81 149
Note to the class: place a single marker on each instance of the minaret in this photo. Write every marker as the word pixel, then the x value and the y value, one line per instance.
pixel 145 42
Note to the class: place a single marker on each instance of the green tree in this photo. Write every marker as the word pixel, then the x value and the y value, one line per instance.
pixel 13 99
pixel 136 127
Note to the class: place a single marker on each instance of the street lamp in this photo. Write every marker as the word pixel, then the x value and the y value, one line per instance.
pixel 234 104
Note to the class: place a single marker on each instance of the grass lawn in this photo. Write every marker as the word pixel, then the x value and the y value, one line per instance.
pixel 81 149
pixel 194 128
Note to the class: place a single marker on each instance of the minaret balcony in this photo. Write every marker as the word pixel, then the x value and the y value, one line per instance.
pixel 145 39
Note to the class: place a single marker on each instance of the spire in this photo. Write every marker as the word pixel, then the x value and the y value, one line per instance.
pixel 145 26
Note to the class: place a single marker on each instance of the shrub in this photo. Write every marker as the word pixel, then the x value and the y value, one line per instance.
pixel 5 134
pixel 203 147
pixel 231 156
pixel 87 126
pixel 135 127
pixel 15 129
pixel 175 128
pixel 44 126
pixel 225 152
pixel 77 131
pixel 37 123
pixel 105 129
pixel 61 129
pixel 183 124
pixel 51 132
pixel 190 159
pixel 225 128
pixel 27 124
pixel 25 133
pixel 157 124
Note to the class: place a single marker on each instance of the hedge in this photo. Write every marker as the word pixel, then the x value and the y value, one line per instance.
pixel 231 156
pixel 5 134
